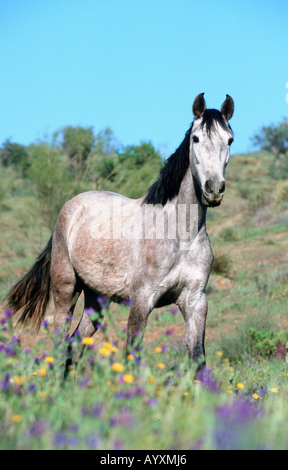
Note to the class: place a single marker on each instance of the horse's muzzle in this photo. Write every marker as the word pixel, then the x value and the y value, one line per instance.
pixel 213 192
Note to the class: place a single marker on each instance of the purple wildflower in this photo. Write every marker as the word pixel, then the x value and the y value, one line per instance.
pixel 118 445
pixel 16 340
pixel 84 382
pixel 104 302
pixel 169 332
pixel 31 388
pixel 233 421
pixel 38 428
pixel 8 314
pixel 5 382
pixel 45 324
pixel 123 418
pixel 207 380
pixel 93 441
pixel 60 440
pixel 96 410
pixel 90 311
pixel 9 350
pixel 151 402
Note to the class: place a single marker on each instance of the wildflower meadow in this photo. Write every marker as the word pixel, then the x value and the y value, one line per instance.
pixel 148 400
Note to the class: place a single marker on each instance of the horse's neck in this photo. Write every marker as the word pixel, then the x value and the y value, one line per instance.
pixel 188 195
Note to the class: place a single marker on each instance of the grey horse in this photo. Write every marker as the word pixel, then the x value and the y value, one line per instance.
pixel 153 251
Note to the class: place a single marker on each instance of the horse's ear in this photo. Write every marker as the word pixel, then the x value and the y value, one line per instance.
pixel 227 108
pixel 199 106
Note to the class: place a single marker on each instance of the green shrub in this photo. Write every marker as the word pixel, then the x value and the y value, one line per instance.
pixel 221 264
pixel 53 181
pixel 280 196
pixel 264 343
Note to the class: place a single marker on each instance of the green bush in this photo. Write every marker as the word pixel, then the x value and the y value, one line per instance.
pixel 53 181
pixel 221 264
pixel 280 196
pixel 264 343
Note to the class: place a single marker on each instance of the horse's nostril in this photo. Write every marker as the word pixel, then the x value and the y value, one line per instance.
pixel 214 187
pixel 222 187
pixel 208 187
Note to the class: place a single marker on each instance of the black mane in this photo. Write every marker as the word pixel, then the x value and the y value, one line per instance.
pixel 168 184
pixel 171 175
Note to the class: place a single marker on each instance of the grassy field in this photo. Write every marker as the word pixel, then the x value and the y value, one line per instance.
pixel 154 402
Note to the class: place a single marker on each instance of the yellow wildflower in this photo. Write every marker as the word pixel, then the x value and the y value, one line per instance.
pixel 158 349
pixel 88 341
pixel 42 394
pixel 107 349
pixel 104 352
pixel 240 386
pixel 128 378
pixel 158 391
pixel 130 357
pixel 219 353
pixel 19 381
pixel 16 418
pixel 110 346
pixel 42 372
pixel 274 390
pixel 117 367
pixel 151 379
pixel 160 365
pixel 256 396
pixel 49 359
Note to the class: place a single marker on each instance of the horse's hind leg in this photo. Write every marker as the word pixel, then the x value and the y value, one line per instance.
pixel 90 321
pixel 87 326
pixel 66 290
pixel 137 322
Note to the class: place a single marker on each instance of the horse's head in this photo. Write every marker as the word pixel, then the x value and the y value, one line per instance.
pixel 211 137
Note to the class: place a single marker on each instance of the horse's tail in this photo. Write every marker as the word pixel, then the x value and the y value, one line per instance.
pixel 32 292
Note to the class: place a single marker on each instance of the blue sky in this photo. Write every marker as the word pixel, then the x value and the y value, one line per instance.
pixel 136 66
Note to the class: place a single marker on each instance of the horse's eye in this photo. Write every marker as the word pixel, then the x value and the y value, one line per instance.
pixel 195 139
pixel 230 141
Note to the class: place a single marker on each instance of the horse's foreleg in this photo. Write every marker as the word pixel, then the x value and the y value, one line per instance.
pixel 194 310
